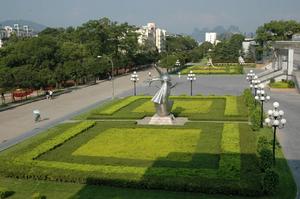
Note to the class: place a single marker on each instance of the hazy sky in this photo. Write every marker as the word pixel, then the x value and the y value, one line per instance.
pixel 178 16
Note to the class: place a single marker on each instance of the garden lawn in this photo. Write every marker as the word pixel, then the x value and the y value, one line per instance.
pixel 142 143
pixel 199 69
pixel 231 143
pixel 216 108
pixel 182 106
pixel 280 85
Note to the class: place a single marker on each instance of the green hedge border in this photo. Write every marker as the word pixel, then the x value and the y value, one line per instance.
pixel 180 179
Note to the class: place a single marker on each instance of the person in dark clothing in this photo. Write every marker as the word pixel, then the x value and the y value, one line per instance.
pixel 2 98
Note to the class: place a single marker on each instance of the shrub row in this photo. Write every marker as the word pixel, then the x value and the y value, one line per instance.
pixel 154 178
pixel 254 111
pixel 230 160
pixel 119 104
pixel 57 141
pixel 270 178
pixel 4 193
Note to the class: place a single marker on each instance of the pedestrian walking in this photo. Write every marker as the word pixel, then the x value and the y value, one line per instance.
pixel 47 94
pixel 50 94
pixel 2 98
pixel 36 115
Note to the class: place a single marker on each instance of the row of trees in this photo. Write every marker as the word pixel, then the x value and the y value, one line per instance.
pixel 274 31
pixel 59 54
pixel 186 49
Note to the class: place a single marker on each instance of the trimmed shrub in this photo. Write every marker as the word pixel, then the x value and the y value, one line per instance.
pixel 270 181
pixel 4 193
pixel 120 104
pixel 57 141
pixel 38 196
pixel 291 84
pixel 230 161
pixel 262 143
pixel 255 119
pixel 265 159
pixel 248 97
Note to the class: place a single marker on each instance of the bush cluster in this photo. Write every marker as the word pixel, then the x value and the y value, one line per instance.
pixel 254 111
pixel 4 193
pixel 57 141
pixel 38 196
pixel 270 178
pixel 270 181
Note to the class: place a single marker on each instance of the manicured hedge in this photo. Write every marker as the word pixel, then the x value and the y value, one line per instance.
pixel 230 161
pixel 141 107
pixel 155 177
pixel 57 141
pixel 120 104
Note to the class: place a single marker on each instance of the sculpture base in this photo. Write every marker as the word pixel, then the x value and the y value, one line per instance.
pixel 166 120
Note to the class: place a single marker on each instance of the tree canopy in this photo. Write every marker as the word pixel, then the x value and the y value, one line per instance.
pixel 60 54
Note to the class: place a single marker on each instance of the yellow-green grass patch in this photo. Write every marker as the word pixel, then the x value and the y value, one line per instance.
pixel 120 104
pixel 142 143
pixel 231 108
pixel 183 106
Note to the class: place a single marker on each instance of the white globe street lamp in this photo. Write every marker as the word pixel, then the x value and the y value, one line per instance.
pixel 134 78
pixel 191 77
pixel 276 120
pixel 262 97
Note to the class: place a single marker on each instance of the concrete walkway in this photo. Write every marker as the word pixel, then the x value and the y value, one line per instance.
pixel 19 122
pixel 289 136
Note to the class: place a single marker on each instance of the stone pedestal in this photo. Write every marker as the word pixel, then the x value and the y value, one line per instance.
pixel 167 120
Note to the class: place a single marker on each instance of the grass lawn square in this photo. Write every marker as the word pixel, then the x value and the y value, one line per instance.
pixel 142 143
pixel 182 106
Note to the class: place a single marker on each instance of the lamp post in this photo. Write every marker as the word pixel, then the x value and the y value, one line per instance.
pixel 262 97
pixel 191 77
pixel 250 76
pixel 134 78
pixel 276 120
pixel 179 75
pixel 112 75
pixel 177 64
pixel 254 84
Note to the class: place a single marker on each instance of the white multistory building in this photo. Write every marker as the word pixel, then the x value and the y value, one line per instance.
pixel 247 43
pixel 160 39
pixel 211 37
pixel 1 43
pixel 153 35
pixel 23 31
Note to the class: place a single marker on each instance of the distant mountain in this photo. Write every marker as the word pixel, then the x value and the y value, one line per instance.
pixel 199 35
pixel 32 25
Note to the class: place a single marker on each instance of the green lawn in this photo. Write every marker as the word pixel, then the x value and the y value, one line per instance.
pixel 183 106
pixel 218 108
pixel 200 69
pixel 206 157
pixel 280 85
pixel 142 143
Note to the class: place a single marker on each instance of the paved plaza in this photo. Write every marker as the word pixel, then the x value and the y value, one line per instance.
pixel 17 124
